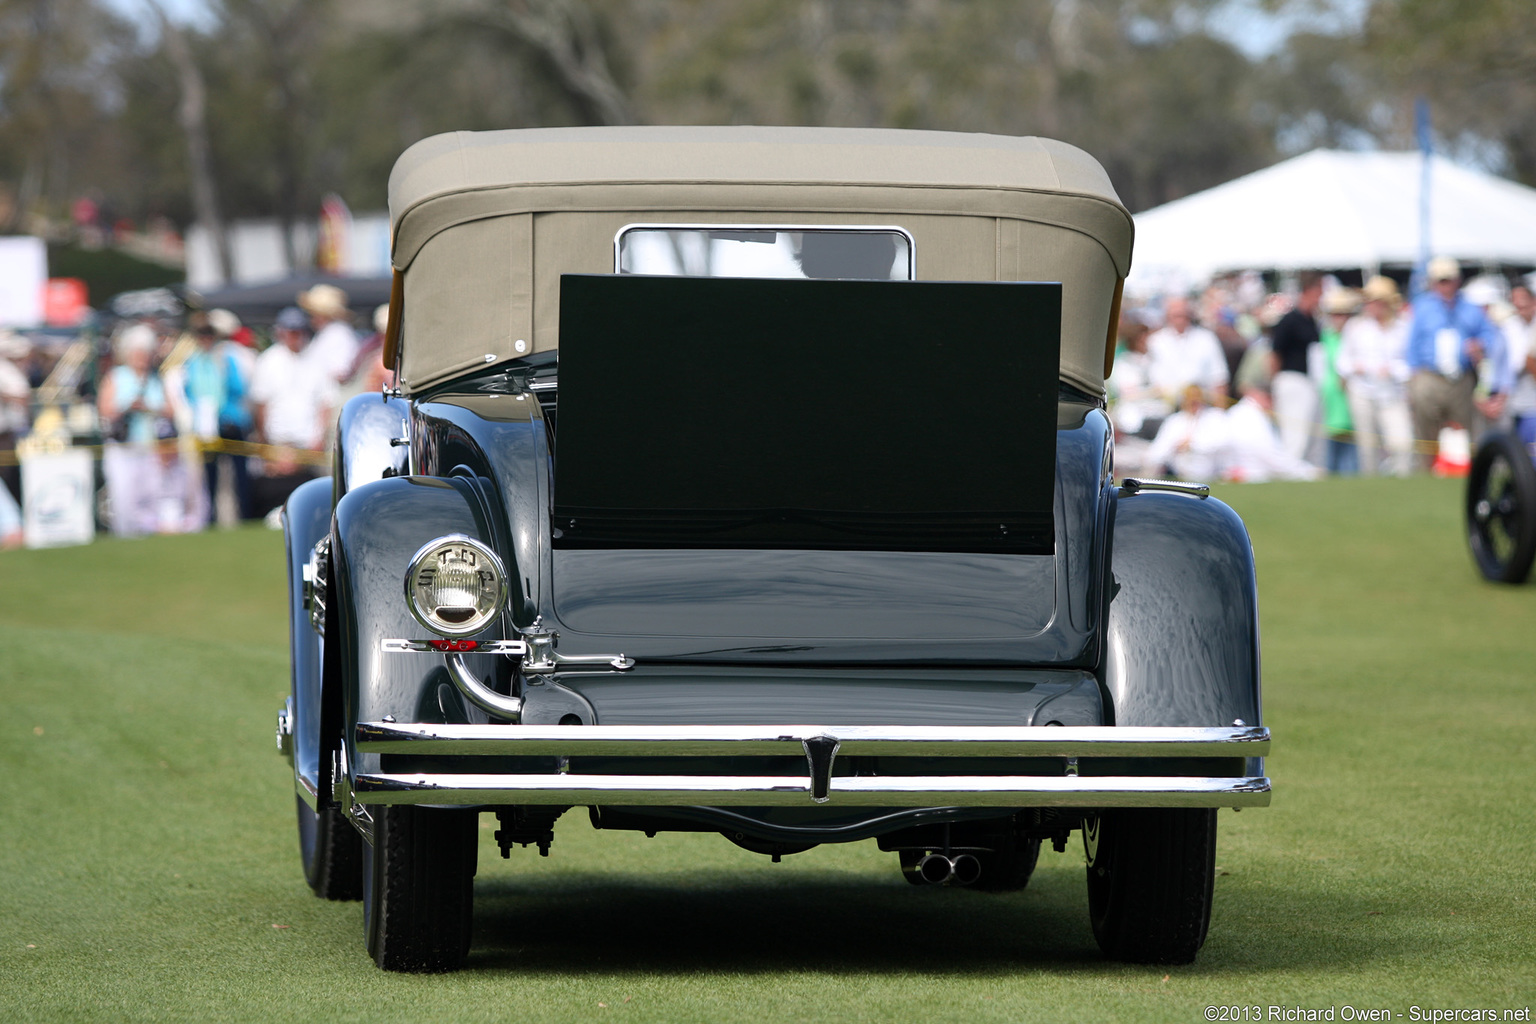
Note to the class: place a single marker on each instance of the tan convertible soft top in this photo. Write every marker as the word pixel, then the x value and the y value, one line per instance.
pixel 484 223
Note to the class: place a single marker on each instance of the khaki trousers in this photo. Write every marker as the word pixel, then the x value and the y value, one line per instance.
pixel 1437 401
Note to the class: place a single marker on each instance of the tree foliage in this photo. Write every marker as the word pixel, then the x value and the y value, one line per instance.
pixel 1475 61
pixel 305 97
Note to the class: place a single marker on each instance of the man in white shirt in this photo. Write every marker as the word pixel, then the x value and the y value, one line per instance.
pixel 1181 353
pixel 1254 450
pixel 292 401
pixel 1373 362
pixel 334 346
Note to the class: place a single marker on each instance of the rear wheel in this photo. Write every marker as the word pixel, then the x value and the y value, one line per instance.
pixel 1501 509
pixel 418 887
pixel 332 852
pixel 1150 877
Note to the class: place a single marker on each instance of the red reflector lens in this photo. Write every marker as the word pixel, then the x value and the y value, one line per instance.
pixel 454 645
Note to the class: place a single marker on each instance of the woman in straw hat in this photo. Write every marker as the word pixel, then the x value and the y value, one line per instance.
pixel 1375 371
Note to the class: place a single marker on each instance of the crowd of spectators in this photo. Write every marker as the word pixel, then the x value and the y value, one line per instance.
pixel 1246 385
pixel 202 420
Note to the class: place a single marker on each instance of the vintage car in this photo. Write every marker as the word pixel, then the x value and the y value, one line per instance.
pixel 758 481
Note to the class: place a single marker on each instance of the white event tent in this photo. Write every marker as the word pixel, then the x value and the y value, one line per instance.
pixel 1333 210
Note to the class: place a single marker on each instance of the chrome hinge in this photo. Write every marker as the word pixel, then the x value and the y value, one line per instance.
pixel 1132 484
pixel 543 659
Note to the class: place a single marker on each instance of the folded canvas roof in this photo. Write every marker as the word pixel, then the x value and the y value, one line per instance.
pixel 484 223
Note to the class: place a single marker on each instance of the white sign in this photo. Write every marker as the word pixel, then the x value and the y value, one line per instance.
pixel 60 498
pixel 23 275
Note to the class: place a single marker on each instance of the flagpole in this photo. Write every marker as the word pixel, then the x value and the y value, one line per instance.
pixel 1426 155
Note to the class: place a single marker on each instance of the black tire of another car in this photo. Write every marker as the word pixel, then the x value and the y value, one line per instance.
pixel 1501 509
pixel 1150 877
pixel 332 852
pixel 418 887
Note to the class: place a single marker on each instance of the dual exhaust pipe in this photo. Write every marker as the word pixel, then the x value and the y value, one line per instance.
pixel 937 869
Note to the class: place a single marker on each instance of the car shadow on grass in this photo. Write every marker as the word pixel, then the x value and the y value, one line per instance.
pixel 715 921
pixel 718 922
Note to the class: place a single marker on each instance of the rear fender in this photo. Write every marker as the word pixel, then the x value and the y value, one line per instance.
pixel 306 519
pixel 379 527
pixel 372 437
pixel 1182 639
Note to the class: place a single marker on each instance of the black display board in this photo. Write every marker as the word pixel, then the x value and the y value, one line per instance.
pixel 746 413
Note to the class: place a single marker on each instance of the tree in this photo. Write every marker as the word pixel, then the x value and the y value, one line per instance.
pixel 1475 60
pixel 568 36
pixel 273 47
pixel 192 116
pixel 57 95
pixel 1166 106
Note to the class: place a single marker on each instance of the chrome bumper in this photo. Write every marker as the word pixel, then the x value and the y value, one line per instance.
pixel 820 746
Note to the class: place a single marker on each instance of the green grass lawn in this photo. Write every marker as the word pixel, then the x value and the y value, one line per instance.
pixel 148 867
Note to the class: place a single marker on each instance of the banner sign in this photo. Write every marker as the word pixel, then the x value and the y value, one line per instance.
pixel 23 275
pixel 60 498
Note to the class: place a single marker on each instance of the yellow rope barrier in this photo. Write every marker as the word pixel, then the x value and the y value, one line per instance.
pixel 304 456
pixel 196 446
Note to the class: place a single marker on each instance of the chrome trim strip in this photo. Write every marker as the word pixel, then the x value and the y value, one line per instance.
pixel 307 792
pixel 852 740
pixel 847 791
pixel 1132 484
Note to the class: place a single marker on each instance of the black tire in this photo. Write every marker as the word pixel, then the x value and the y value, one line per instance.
pixel 418 888
pixel 1008 869
pixel 1501 509
pixel 332 852
pixel 1150 877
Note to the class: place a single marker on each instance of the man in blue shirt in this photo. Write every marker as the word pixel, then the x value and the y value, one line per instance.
pixel 1448 340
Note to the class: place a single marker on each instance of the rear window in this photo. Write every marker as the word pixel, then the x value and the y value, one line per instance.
pixel 783 252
